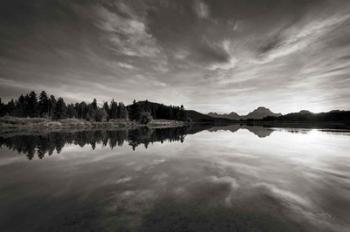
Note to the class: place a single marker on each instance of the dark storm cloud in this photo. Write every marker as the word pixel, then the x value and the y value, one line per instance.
pixel 224 55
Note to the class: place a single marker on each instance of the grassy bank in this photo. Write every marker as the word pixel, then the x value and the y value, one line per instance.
pixel 34 124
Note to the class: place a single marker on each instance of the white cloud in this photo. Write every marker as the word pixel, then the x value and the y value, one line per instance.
pixel 201 9
pixel 225 66
pixel 297 39
pixel 127 35
pixel 125 65
pixel 227 180
pixel 181 54
pixel 123 180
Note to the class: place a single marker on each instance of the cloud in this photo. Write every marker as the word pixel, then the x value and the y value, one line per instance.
pixel 125 65
pixel 226 180
pixel 211 52
pixel 231 61
pixel 124 180
pixel 127 35
pixel 181 54
pixel 294 39
pixel 225 66
pixel 201 9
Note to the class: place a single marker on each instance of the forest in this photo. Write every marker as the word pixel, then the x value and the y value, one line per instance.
pixel 45 106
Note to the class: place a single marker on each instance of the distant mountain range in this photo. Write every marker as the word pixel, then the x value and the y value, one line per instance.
pixel 307 116
pixel 258 113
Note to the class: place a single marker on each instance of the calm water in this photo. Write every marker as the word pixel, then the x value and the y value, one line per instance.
pixel 195 179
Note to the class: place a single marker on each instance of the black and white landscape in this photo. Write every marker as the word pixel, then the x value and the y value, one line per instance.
pixel 175 115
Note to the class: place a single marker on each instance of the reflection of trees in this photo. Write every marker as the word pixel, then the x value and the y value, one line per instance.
pixel 146 136
pixel 43 144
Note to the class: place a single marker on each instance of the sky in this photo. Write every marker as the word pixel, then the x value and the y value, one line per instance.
pixel 209 55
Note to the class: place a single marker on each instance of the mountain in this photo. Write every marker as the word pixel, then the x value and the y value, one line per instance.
pixel 231 116
pixel 307 116
pixel 259 113
pixel 204 118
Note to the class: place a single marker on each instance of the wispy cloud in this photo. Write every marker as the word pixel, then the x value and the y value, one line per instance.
pixel 127 35
pixel 201 9
pixel 125 65
pixel 296 39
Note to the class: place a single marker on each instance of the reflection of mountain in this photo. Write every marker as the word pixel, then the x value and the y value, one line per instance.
pixel 261 132
pixel 233 128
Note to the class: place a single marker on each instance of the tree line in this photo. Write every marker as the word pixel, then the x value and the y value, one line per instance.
pixel 45 106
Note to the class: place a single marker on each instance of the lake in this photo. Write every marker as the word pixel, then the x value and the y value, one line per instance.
pixel 233 178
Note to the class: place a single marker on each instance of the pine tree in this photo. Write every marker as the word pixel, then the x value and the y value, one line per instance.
pixel 60 109
pixel 43 104
pixel 106 109
pixel 10 107
pixel 113 111
pixel 32 105
pixel 123 112
pixel 94 104
pixel 52 106
pixel 82 110
pixel 101 115
pixel 91 113
pixel 71 112
pixel 135 111
pixel 20 107
pixel 2 109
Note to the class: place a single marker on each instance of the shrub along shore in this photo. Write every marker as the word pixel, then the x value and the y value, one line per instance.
pixel 9 123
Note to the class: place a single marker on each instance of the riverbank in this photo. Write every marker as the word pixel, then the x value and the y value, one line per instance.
pixel 8 124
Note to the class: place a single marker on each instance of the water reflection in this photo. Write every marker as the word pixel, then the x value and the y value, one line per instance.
pixel 200 179
pixel 48 143
pixel 259 131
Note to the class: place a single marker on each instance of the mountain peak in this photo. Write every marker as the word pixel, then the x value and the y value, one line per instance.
pixel 260 113
pixel 262 109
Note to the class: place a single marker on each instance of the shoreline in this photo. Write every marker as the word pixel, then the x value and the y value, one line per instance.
pixel 14 124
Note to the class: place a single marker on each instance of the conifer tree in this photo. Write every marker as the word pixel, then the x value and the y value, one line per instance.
pixel 123 112
pixel 32 105
pixel 43 104
pixel 60 109
pixel 52 106
pixel 113 110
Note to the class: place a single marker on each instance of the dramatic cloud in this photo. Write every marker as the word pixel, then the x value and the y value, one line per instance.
pixel 222 55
